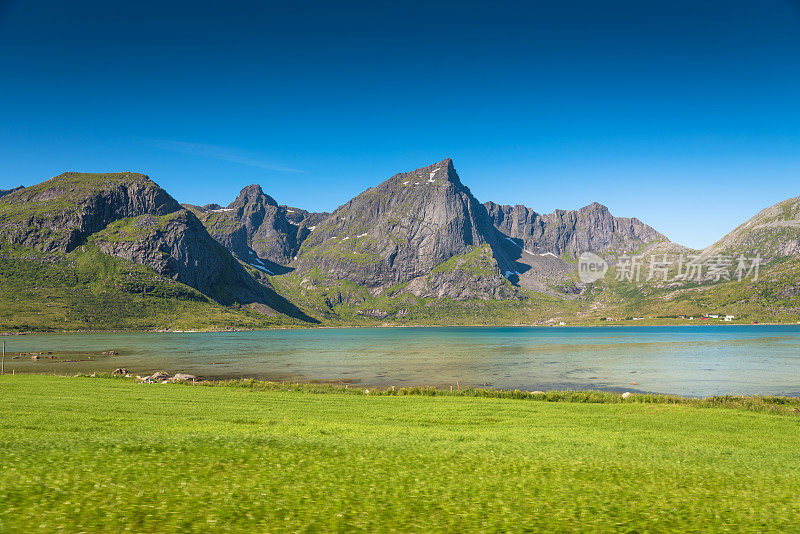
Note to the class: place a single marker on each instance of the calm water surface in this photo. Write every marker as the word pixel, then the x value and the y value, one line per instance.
pixel 702 360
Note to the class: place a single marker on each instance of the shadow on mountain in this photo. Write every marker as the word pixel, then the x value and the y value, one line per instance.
pixel 276 268
pixel 283 305
pixel 509 255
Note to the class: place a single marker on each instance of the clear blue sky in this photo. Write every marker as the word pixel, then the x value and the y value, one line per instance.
pixel 685 114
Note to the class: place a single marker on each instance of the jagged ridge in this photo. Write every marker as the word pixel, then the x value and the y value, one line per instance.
pixel 591 228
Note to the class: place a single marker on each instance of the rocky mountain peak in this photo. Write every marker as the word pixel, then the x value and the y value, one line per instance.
pixel 594 207
pixel 128 216
pixel 258 230
pixel 441 173
pixel 253 195
pixel 398 230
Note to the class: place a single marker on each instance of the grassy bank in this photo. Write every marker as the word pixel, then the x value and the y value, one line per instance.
pixel 756 403
pixel 83 454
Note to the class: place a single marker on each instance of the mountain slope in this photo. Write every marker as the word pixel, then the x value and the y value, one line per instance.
pixel 4 192
pixel 88 290
pixel 128 216
pixel 773 233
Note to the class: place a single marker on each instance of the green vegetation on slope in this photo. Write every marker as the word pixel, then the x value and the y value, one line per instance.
pixel 478 260
pixel 85 454
pixel 133 229
pixel 64 193
pixel 216 221
pixel 341 302
pixel 49 215
pixel 773 297
pixel 86 289
pixel 89 290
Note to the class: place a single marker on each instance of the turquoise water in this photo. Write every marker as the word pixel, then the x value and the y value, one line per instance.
pixel 702 360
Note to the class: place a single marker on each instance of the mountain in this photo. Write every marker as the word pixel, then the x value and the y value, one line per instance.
pixel 751 273
pixel 114 250
pixel 59 214
pixel 257 230
pixel 129 217
pixel 402 230
pixel 407 229
pixel 544 247
pixel 774 233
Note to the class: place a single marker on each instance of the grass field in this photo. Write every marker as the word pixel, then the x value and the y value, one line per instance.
pixel 82 454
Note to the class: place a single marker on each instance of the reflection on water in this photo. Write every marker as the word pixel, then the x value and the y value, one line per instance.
pixel 683 360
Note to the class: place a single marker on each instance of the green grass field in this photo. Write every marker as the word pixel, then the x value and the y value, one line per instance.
pixel 88 455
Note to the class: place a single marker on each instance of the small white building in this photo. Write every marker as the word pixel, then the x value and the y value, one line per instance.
pixel 729 318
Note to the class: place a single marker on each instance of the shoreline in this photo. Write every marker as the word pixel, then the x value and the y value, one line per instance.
pixel 353 327
pixel 384 387
pixel 783 404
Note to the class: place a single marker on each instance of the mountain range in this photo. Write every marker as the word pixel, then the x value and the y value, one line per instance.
pixel 115 250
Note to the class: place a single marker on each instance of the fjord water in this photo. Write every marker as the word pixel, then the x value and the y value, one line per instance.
pixel 694 361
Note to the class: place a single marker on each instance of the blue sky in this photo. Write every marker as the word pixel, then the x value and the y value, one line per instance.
pixel 685 114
